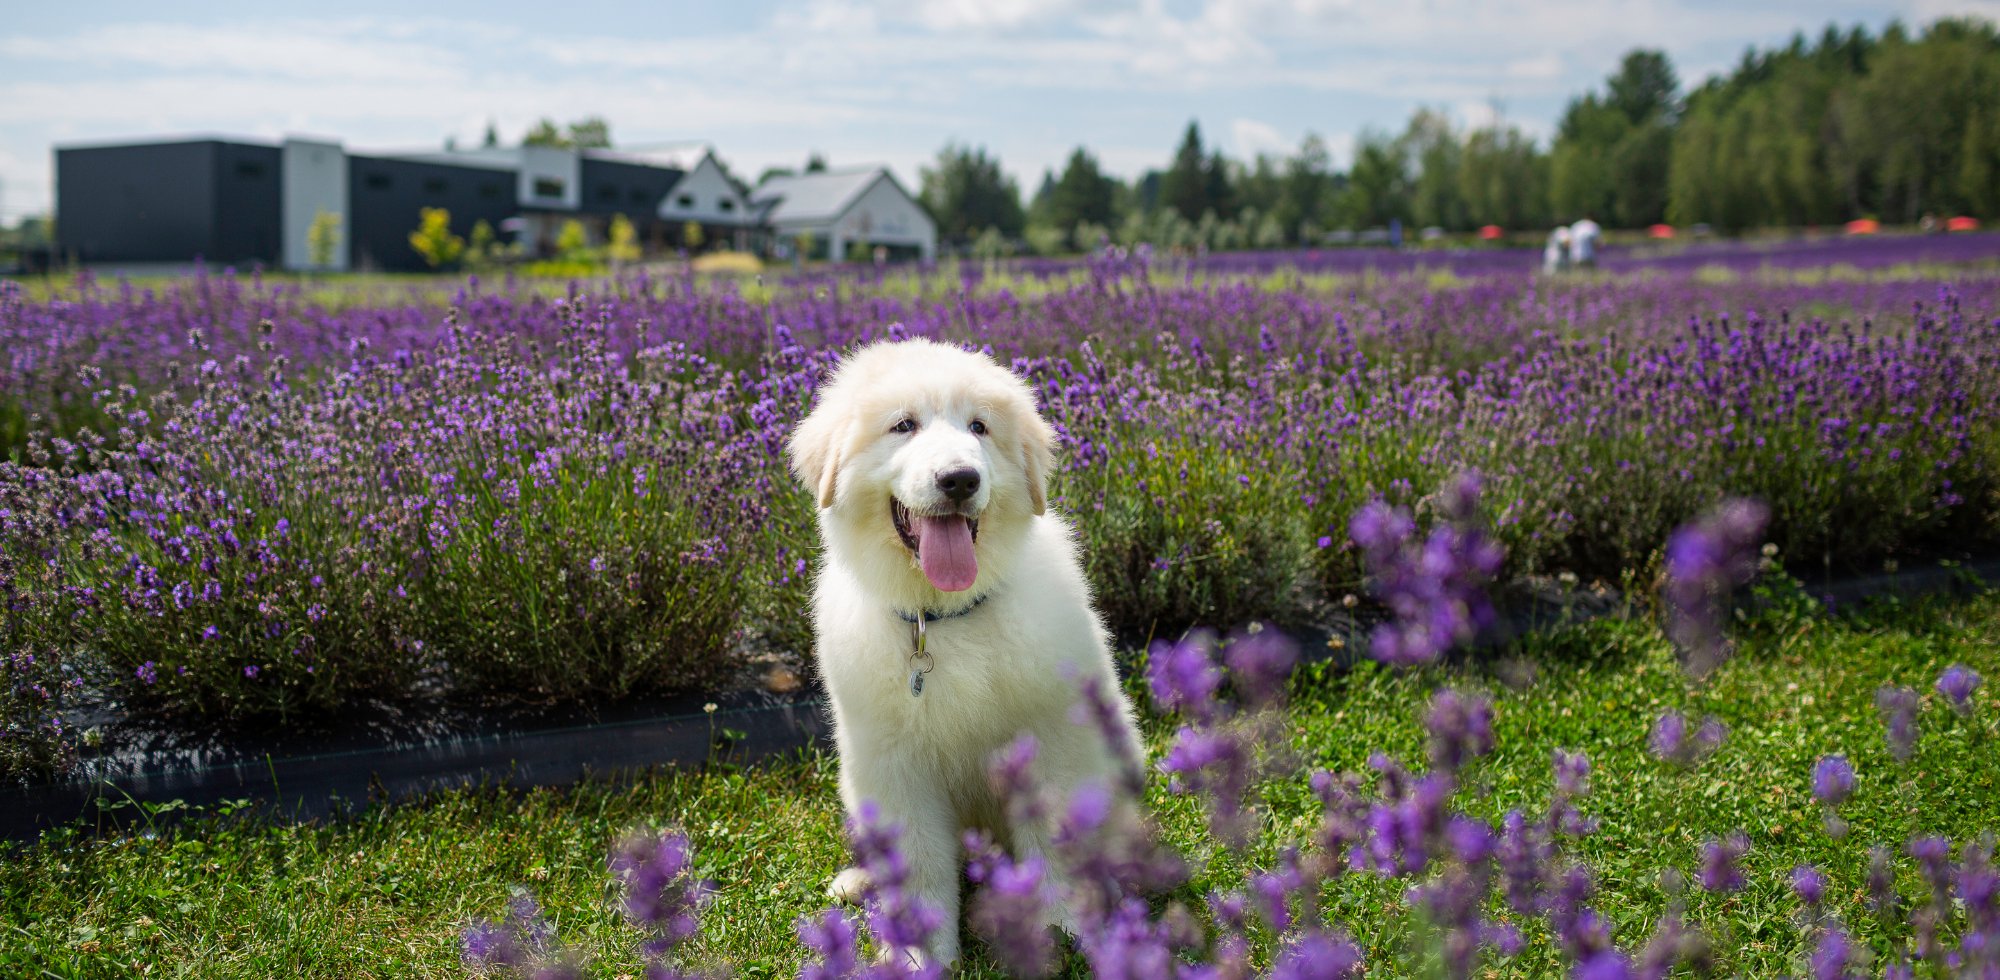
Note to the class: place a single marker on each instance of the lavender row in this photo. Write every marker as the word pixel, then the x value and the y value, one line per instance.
pixel 233 500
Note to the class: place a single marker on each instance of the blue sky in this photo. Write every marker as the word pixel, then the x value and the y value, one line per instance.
pixel 861 82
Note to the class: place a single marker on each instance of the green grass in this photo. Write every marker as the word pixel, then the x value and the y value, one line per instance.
pixel 383 893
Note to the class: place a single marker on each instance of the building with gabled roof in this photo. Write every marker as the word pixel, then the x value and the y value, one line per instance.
pixel 833 210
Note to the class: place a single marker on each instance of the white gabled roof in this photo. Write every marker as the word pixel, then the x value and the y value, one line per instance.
pixel 806 198
pixel 679 156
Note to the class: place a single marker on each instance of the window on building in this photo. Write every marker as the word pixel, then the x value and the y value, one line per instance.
pixel 548 187
pixel 376 181
pixel 639 195
pixel 726 205
pixel 433 185
pixel 685 201
pixel 249 168
pixel 607 194
pixel 489 192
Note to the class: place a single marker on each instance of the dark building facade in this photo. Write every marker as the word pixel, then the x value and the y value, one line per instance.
pixel 386 198
pixel 169 202
pixel 239 203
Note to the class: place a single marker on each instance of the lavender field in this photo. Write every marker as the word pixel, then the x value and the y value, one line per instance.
pixel 233 502
pixel 236 500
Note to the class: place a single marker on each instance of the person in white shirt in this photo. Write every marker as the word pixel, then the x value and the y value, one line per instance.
pixel 1583 238
pixel 1555 255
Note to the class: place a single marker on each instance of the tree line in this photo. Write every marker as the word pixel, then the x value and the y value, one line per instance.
pixel 1893 126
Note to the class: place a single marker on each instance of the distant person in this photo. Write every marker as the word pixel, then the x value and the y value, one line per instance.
pixel 1583 238
pixel 1395 233
pixel 1555 255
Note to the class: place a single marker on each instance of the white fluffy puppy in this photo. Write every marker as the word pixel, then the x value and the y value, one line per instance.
pixel 929 463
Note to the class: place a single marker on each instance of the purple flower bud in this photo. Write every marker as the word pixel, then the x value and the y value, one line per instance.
pixel 1881 881
pixel 1832 779
pixel 1809 884
pixel 1317 955
pixel 661 895
pixel 1183 677
pixel 1898 708
pixel 1957 684
pixel 1260 662
pixel 1460 727
pixel 1719 871
pixel 1832 956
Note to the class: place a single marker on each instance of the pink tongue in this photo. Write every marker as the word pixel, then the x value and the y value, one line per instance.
pixel 944 548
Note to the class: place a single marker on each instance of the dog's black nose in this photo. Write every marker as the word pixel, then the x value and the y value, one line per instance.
pixel 959 484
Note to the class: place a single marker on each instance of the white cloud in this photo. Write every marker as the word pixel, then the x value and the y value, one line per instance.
pixel 314 50
pixel 1249 137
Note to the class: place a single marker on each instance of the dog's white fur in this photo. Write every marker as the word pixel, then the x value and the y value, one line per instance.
pixel 1013 663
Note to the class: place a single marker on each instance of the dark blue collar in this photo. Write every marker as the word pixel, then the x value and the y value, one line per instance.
pixel 931 617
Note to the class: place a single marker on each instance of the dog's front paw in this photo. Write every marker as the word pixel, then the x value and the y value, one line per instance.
pixel 849 886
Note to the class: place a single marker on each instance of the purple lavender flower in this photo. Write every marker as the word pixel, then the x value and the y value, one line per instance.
pixel 1670 740
pixel 489 946
pixel 1214 762
pixel 1129 945
pixel 1436 588
pixel 148 673
pixel 1183 677
pixel 1526 857
pixel 661 895
pixel 1011 910
pixel 1898 708
pixel 1260 662
pixel 1881 882
pixel 1605 965
pixel 521 941
pixel 1107 712
pixel 1956 684
pixel 1572 771
pixel 1832 780
pixel 899 919
pixel 1719 862
pixel 1705 560
pixel 1317 955
pixel 835 940
pixel 1832 957
pixel 1808 884
pixel 1460 727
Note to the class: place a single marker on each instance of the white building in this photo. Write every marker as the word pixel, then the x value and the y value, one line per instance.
pixel 838 208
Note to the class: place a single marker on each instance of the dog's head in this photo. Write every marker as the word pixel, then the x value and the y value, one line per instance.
pixel 926 459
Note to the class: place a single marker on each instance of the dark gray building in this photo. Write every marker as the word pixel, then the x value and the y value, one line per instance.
pixel 240 203
pixel 169 202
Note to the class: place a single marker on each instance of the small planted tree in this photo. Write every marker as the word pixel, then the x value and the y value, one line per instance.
pixel 434 240
pixel 691 236
pixel 482 248
pixel 572 243
pixel 322 239
pixel 624 244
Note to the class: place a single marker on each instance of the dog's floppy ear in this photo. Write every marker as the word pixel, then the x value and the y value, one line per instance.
pixel 1038 456
pixel 815 448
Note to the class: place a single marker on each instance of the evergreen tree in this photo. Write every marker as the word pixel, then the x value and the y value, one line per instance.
pixel 1184 186
pixel 967 193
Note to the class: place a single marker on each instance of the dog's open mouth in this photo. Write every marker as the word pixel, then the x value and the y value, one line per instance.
pixel 941 543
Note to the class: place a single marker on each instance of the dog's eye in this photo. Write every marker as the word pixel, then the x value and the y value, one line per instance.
pixel 978 428
pixel 906 425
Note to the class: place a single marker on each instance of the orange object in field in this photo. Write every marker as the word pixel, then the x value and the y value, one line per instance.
pixel 1660 231
pixel 1490 232
pixel 1863 226
pixel 1962 223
